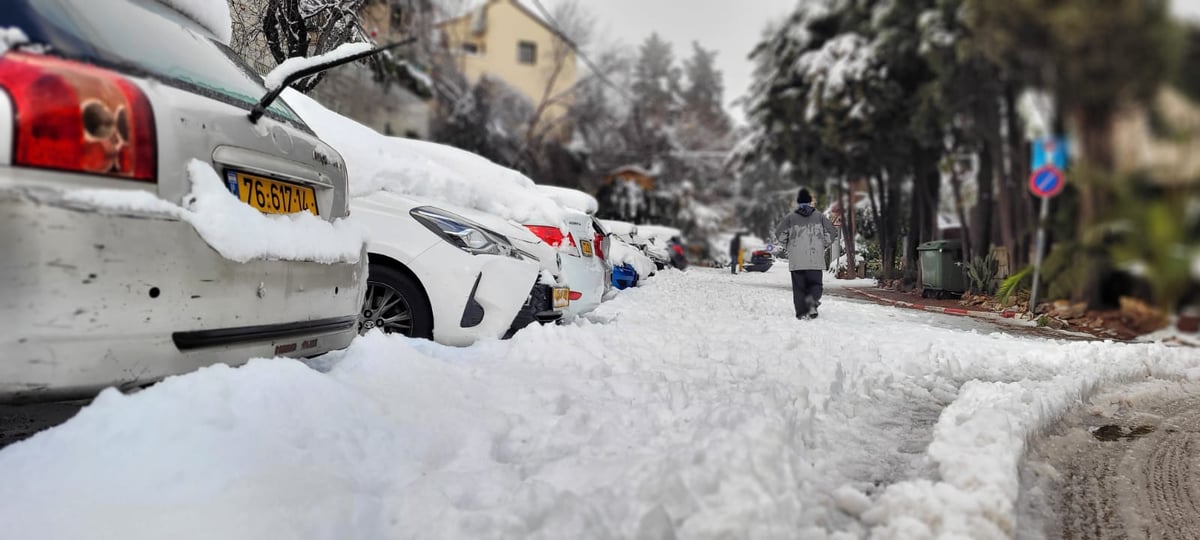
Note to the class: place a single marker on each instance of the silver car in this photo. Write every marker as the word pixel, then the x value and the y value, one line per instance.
pixel 120 96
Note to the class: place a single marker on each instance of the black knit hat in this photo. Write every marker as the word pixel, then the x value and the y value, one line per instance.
pixel 804 197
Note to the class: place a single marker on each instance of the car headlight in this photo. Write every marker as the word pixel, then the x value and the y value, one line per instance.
pixel 463 233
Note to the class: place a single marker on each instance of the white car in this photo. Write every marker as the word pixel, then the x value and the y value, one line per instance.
pixel 112 142
pixel 584 244
pixel 437 274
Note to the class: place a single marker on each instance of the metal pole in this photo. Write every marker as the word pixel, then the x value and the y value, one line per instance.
pixel 1041 247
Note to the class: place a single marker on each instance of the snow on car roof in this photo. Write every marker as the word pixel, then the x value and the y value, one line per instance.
pixel 375 162
pixel 658 232
pixel 619 227
pixel 572 198
pixel 213 16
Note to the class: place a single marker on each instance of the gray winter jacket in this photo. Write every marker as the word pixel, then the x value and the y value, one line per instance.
pixel 807 234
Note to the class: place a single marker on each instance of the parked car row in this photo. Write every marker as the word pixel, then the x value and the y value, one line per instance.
pixel 162 211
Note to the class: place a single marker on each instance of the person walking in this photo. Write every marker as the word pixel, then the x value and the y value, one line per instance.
pixel 735 251
pixel 806 234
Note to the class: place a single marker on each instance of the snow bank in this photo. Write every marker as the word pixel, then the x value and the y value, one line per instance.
pixel 11 37
pixel 222 221
pixel 293 65
pixel 693 407
pixel 213 15
pixel 375 162
pixel 572 198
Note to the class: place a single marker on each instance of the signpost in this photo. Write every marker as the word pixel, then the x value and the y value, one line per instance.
pixel 1047 180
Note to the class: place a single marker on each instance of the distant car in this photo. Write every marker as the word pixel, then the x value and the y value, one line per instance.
pixel 121 96
pixel 438 275
pixel 665 242
pixel 760 261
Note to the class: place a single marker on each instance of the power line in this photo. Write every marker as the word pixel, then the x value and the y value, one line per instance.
pixel 592 65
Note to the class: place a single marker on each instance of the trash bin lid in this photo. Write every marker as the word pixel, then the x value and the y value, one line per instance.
pixel 940 245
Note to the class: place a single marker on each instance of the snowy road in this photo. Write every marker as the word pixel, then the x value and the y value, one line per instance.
pixel 695 406
pixel 1124 466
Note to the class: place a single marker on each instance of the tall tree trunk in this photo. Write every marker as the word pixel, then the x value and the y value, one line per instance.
pixel 851 260
pixel 1010 186
pixel 981 226
pixel 960 208
pixel 1095 124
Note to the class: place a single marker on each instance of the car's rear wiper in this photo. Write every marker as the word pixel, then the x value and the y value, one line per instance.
pixel 261 107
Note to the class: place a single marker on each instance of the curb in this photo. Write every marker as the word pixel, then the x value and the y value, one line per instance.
pixel 1007 316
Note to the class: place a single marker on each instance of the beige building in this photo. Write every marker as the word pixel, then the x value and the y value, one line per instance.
pixel 505 40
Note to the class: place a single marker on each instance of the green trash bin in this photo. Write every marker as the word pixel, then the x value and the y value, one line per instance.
pixel 942 269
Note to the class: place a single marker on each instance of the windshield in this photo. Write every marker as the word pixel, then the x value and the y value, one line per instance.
pixel 145 39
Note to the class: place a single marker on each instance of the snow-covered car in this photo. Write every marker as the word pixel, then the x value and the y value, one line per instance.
pixel 660 246
pixel 628 258
pixel 125 146
pixel 584 265
pixel 443 173
pixel 438 275
pixel 628 233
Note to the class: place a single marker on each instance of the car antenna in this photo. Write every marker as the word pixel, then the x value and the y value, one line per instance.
pixel 261 107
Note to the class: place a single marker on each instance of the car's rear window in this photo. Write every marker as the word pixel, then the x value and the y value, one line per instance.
pixel 144 38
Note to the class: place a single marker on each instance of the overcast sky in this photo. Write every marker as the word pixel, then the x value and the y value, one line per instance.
pixel 730 27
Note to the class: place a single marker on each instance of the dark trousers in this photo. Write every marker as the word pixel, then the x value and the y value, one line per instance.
pixel 806 287
pixel 733 265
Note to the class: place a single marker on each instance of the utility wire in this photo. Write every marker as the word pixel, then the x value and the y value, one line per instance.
pixel 591 65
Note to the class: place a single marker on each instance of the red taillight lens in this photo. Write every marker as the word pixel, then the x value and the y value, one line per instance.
pixel 571 240
pixel 598 241
pixel 575 295
pixel 77 117
pixel 550 235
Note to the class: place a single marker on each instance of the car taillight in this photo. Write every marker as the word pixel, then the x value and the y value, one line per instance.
pixel 571 240
pixel 575 295
pixel 598 241
pixel 77 117
pixel 550 235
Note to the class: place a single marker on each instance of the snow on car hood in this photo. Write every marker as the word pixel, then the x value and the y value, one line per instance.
pixel 376 162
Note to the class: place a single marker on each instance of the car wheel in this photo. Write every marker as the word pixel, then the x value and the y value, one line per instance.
pixel 395 304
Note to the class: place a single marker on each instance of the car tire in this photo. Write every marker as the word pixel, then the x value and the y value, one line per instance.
pixel 396 303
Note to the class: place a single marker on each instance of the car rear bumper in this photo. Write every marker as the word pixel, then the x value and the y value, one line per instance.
pixel 97 298
pixel 585 276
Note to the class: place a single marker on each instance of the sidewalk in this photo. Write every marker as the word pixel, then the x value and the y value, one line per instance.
pixel 949 307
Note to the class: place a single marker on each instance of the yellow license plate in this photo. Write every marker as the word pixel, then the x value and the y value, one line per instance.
pixel 562 297
pixel 275 197
pixel 586 245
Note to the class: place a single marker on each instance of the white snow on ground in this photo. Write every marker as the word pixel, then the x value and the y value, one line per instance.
pixel 212 15
pixel 11 37
pixel 694 406
pixel 294 65
pixel 224 222
pixel 376 162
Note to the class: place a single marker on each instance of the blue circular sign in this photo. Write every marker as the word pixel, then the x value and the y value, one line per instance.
pixel 1047 181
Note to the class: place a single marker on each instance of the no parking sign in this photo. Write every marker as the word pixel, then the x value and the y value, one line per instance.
pixel 1047 181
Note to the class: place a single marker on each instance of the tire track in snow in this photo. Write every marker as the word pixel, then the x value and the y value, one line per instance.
pixel 1127 467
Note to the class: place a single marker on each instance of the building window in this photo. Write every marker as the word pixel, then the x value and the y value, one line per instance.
pixel 470 48
pixel 527 52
